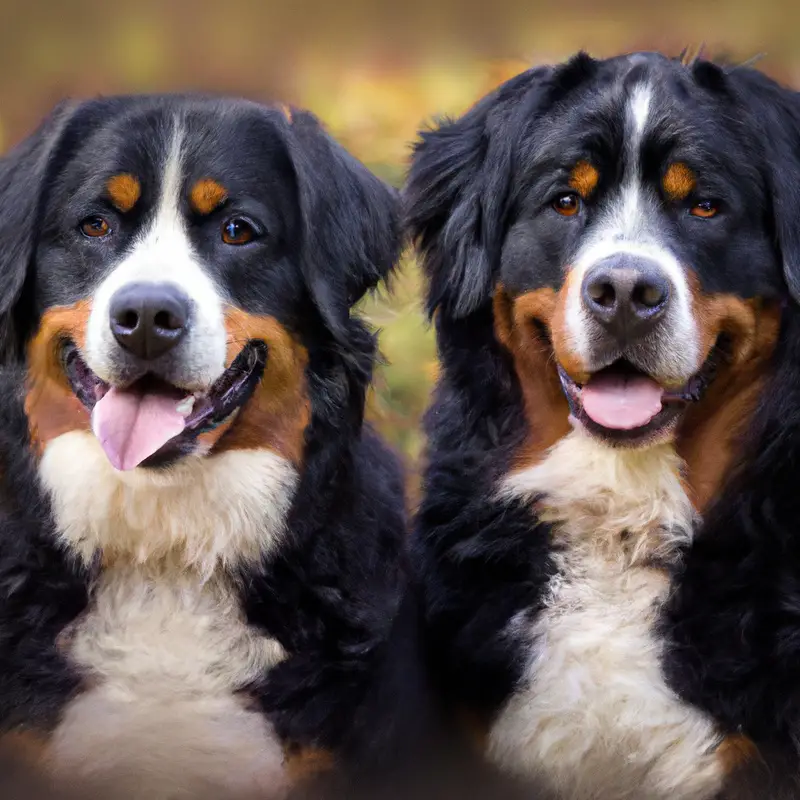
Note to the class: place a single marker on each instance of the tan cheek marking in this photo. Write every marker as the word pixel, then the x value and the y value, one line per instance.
pixel 124 191
pixel 50 404
pixel 546 407
pixel 562 341
pixel 304 763
pixel 679 181
pixel 710 435
pixel 206 196
pixel 24 746
pixel 279 411
pixel 737 318
pixel 584 178
pixel 736 752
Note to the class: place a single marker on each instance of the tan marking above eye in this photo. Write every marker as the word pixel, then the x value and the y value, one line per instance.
pixel 584 178
pixel 679 181
pixel 207 195
pixel 124 191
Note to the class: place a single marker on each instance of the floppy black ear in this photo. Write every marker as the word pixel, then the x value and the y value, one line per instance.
pixel 351 223
pixel 23 179
pixel 457 194
pixel 784 130
pixel 776 110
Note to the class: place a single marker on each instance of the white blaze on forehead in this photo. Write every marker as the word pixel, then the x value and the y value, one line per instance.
pixel 629 222
pixel 639 110
pixel 626 227
pixel 162 253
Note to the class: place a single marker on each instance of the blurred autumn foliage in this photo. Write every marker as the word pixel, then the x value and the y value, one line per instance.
pixel 374 72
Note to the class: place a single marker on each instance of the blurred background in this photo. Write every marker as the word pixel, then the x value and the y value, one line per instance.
pixel 373 71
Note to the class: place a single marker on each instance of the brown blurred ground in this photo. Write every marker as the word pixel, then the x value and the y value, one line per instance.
pixel 373 71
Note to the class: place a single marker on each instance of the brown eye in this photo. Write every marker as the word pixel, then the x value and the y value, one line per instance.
pixel 95 227
pixel 568 205
pixel 705 209
pixel 237 231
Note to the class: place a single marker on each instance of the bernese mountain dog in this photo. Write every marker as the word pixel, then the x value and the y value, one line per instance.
pixel 608 546
pixel 200 539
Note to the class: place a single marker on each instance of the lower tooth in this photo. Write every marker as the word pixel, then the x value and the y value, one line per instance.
pixel 185 406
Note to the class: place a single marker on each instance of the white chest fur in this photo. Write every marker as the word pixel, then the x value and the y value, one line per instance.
pixel 209 512
pixel 163 645
pixel 594 716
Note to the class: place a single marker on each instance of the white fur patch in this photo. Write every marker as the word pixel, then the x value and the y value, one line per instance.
pixel 594 716
pixel 146 749
pixel 205 512
pixel 639 111
pixel 164 254
pixel 164 646
pixel 164 653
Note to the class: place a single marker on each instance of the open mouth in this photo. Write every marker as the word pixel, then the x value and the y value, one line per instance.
pixel 624 405
pixel 152 422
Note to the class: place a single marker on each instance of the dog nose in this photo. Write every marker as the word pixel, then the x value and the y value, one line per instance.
pixel 626 294
pixel 149 319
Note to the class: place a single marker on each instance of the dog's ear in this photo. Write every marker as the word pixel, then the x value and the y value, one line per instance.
pixel 776 114
pixel 24 174
pixel 782 120
pixel 350 218
pixel 457 193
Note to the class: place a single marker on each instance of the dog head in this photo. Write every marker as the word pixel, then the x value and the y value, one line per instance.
pixel 168 262
pixel 630 224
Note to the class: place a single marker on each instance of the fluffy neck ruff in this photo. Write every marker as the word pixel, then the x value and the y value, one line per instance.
pixel 628 505
pixel 204 513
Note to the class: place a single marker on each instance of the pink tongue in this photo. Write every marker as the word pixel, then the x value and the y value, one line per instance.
pixel 132 424
pixel 622 402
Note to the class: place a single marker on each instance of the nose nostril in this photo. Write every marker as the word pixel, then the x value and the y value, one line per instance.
pixel 167 321
pixel 602 294
pixel 648 295
pixel 128 320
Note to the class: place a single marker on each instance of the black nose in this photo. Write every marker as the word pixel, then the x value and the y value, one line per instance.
pixel 148 319
pixel 626 294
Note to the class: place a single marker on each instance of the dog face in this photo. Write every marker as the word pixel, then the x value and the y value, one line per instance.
pixel 170 263
pixel 624 214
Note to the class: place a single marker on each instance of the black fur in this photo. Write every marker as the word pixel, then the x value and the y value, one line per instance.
pixel 481 561
pixel 41 587
pixel 458 190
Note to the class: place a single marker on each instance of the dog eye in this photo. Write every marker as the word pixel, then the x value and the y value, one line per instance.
pixel 568 205
pixel 704 209
pixel 95 227
pixel 237 231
